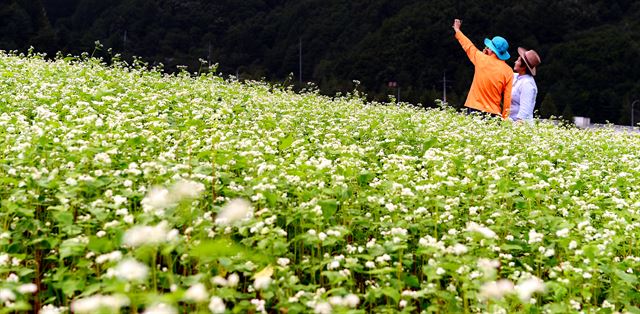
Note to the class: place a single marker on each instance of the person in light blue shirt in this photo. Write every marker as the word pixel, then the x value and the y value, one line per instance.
pixel 525 90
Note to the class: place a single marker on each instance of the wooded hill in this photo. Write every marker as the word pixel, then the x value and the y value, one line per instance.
pixel 590 49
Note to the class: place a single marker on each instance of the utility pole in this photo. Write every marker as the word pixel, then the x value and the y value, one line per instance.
pixel 300 59
pixel 209 56
pixel 632 109
pixel 124 41
pixel 394 84
pixel 444 86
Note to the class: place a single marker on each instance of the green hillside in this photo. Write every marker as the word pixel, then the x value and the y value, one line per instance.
pixel 125 189
pixel 589 49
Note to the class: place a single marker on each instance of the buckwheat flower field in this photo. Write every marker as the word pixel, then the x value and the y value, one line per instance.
pixel 125 190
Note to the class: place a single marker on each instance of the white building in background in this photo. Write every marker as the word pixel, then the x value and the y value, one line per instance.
pixel 582 122
pixel 585 123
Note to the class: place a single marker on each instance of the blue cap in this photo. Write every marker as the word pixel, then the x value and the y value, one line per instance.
pixel 498 45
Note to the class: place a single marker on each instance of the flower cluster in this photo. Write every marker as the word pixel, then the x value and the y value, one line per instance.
pixel 125 189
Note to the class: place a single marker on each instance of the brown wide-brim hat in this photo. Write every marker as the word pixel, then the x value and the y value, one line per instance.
pixel 530 58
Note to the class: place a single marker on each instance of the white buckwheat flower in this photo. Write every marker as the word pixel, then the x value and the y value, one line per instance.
pixel 28 288
pixel 563 233
pixel 119 200
pixel 184 189
pixel 233 211
pixel 102 158
pixel 216 305
pixel 7 295
pixel 161 308
pixel 232 280
pixel 496 289
pixel 528 287
pixel 283 261
pixel 219 281
pixel 573 244
pixel 197 293
pixel 109 257
pixel 486 232
pixel 459 249
pixel 535 237
pixel 259 304
pixel 129 270
pixel 146 235
pixel 156 201
pixel 263 278
pixel 322 308
pixel 94 303
pixel 488 265
pixel 351 300
pixel 51 309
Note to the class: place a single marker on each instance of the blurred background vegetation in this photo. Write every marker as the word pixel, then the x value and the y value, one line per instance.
pixel 590 50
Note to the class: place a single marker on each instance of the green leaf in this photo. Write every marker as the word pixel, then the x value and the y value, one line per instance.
pixel 365 177
pixel 25 271
pixel 64 218
pixel 392 293
pixel 329 207
pixel 271 198
pixel 27 212
pixel 412 281
pixel 71 247
pixel 100 245
pixel 286 142
pixel 627 278
pixel 70 286
pixel 214 249
pixel 381 271
pixel 19 306
pixel 591 251
pixel 511 247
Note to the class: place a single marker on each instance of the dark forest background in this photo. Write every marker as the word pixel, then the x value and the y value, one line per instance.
pixel 590 49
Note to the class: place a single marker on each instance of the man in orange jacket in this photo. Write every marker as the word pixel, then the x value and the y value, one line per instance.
pixel 490 90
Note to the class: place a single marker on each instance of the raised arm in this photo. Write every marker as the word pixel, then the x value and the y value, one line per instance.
pixel 467 45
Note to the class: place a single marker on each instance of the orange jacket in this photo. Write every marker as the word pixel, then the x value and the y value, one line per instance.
pixel 492 81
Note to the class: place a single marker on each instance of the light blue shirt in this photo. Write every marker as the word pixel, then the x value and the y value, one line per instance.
pixel 523 97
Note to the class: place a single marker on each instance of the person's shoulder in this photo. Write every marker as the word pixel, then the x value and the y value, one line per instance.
pixel 528 79
pixel 529 83
pixel 507 71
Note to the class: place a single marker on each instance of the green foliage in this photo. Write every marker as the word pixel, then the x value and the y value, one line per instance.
pixel 548 107
pixel 589 49
pixel 567 113
pixel 125 189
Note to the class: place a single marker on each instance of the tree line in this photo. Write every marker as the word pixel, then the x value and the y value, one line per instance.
pixel 590 50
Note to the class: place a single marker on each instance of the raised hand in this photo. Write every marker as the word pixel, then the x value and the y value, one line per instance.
pixel 456 25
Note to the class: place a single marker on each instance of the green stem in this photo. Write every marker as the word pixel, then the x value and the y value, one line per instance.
pixel 154 269
pixel 399 270
pixel 465 302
